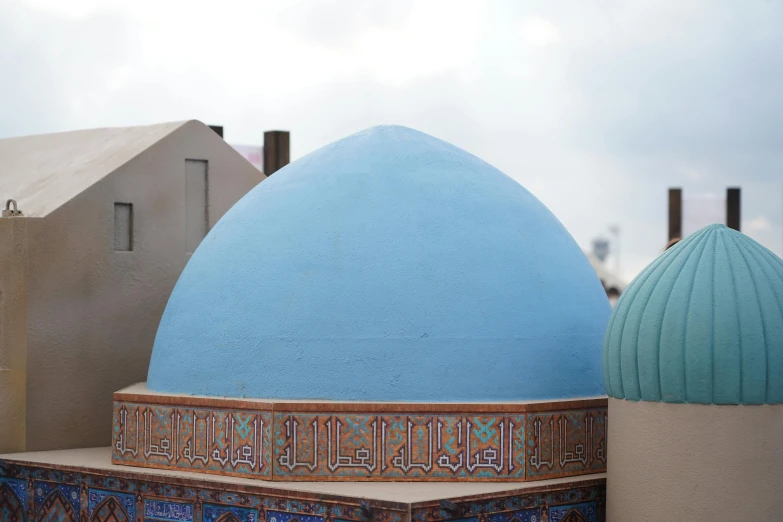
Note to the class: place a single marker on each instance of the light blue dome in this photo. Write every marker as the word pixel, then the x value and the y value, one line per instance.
pixel 701 324
pixel 388 266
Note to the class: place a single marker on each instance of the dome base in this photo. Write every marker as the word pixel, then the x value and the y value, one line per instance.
pixel 359 441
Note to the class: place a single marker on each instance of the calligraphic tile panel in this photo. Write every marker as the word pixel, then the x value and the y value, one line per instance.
pixel 384 444
pixel 566 443
pixel 389 447
pixel 164 510
pixel 195 439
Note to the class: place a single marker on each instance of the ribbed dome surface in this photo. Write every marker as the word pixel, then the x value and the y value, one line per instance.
pixel 387 266
pixel 702 324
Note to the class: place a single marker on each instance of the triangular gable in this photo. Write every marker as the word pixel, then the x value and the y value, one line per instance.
pixel 43 172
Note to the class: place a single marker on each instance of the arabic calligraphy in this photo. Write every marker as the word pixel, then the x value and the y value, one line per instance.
pixel 322 445
pixel 162 510
pixel 289 457
pixel 122 438
pixel 567 442
pixel 193 438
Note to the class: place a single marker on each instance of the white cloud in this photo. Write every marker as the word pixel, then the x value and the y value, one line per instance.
pixel 598 109
pixel 539 32
pixel 758 224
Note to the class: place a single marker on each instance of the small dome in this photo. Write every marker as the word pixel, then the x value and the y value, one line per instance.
pixel 388 266
pixel 702 324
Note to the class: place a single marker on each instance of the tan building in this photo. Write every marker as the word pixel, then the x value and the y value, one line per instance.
pixel 109 218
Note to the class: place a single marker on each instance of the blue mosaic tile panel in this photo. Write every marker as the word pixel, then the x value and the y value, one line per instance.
pixel 280 516
pixel 221 513
pixel 19 487
pixel 584 512
pixel 524 515
pixel 70 496
pixel 168 511
pixel 96 496
pixel 13 494
pixel 69 492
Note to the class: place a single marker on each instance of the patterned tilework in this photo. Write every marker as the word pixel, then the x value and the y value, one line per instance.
pixel 281 445
pixel 386 447
pixel 56 502
pixel 69 492
pixel 214 440
pixel 107 498
pixel 280 516
pixel 155 510
pixel 524 515
pixel 221 513
pixel 566 443
pixel 535 504
pixel 12 501
pixel 96 497
pixel 585 512
pixel 18 487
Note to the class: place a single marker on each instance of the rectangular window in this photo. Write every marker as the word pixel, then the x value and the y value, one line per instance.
pixel 123 227
pixel 196 208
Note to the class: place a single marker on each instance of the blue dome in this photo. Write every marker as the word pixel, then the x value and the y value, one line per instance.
pixel 388 266
pixel 702 324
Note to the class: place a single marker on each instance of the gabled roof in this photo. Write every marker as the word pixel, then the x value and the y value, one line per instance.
pixel 43 172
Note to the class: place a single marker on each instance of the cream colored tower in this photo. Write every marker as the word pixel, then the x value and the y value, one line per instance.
pixel 693 365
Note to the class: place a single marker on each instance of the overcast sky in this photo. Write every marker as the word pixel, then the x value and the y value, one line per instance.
pixel 597 107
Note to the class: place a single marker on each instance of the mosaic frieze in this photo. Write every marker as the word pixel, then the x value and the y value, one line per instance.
pixel 386 447
pixel 537 504
pixel 566 443
pixel 216 440
pixel 280 445
pixel 33 492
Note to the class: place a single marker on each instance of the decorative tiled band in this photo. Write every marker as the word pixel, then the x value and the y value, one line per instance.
pixel 51 493
pixel 395 443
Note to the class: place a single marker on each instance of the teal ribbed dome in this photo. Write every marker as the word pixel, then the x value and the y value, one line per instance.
pixel 702 324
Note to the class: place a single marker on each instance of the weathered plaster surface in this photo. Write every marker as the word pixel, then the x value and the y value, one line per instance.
pixel 387 266
pixel 694 462
pixel 92 312
pixel 13 334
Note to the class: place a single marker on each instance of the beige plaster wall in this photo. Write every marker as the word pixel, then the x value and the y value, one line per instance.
pixel 13 332
pixel 690 462
pixel 93 312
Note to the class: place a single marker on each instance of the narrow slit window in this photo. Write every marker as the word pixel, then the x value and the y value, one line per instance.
pixel 196 208
pixel 123 227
